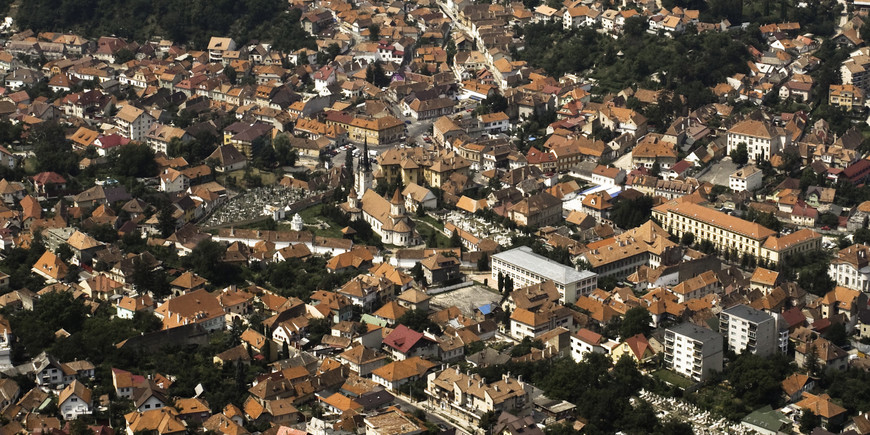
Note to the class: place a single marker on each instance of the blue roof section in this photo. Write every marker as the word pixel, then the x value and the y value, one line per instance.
pixel 485 309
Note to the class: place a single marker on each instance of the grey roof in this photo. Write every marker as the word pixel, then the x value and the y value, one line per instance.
pixel 748 313
pixel 695 332
pixel 523 257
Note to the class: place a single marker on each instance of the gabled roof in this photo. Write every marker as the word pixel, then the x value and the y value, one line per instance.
pixel 403 339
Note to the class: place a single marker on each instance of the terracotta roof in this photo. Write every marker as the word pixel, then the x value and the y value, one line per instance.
pixel 404 369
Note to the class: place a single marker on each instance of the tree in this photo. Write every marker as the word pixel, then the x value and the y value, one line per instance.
pixel 375 75
pixel 231 74
pixel 64 252
pixel 636 321
pixel 135 160
pixel 52 149
pixel 419 321
pixel 284 152
pixel 206 260
pixel 508 285
pixel 809 421
pixel 374 32
pixel 688 239
pixel 166 221
pixel 740 155
pixel 500 282
pixel 483 262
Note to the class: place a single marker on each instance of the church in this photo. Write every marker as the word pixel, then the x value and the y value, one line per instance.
pixel 388 218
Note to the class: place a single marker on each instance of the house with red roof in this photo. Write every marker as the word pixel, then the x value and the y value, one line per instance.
pixel 403 343
pixel 47 183
pixel 636 347
pixel 109 143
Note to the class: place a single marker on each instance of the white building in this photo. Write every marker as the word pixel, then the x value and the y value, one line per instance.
pixel 693 351
pixel 750 330
pixel 75 400
pixel 851 269
pixel 586 341
pixel 762 139
pixel 747 178
pixel 527 268
pixel 134 122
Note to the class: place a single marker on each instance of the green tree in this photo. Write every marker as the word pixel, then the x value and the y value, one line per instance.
pixel 740 155
pixel 688 239
pixel 374 32
pixel 166 221
pixel 231 74
pixel 500 282
pixel 418 320
pixel 809 421
pixel 135 160
pixel 483 262
pixel 636 321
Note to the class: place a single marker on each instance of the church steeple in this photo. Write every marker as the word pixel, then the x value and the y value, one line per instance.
pixel 365 164
pixel 364 180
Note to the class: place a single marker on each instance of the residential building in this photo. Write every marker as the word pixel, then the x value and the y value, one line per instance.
pixel 537 210
pixel 392 422
pixel 473 396
pixel 846 97
pixel 652 149
pixel 403 343
pixel 749 330
pixel 398 373
pixel 851 268
pixel 439 268
pixel 646 245
pixel 747 178
pixel 134 122
pixel 586 341
pixel 693 351
pixel 527 268
pixel 195 307
pixel 533 324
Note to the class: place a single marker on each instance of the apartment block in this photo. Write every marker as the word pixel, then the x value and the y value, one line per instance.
pixel 749 330
pixel 693 351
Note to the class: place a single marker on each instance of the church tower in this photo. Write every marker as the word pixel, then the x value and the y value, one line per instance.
pixel 363 178
pixel 397 205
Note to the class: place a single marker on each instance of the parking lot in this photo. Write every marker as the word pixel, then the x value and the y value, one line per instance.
pixel 719 172
pixel 466 299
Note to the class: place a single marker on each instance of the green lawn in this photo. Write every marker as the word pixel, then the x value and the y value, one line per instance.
pixel 673 378
pixel 311 216
pixel 424 229
pixel 434 222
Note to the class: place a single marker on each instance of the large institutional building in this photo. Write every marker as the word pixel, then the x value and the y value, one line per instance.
pixel 527 268
pixel 728 232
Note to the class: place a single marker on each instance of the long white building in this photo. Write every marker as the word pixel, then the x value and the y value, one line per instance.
pixel 527 268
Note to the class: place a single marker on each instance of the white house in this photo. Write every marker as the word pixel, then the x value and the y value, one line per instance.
pixel 75 400
pixel 746 178
pixel 586 341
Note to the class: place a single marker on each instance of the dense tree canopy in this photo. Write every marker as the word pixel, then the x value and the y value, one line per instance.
pixel 182 21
